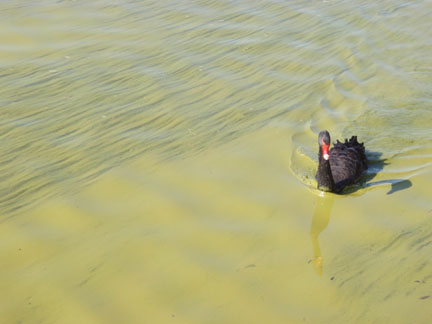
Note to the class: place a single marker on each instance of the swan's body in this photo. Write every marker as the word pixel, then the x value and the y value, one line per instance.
pixel 340 166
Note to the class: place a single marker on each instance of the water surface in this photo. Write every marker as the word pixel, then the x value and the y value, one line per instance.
pixel 158 158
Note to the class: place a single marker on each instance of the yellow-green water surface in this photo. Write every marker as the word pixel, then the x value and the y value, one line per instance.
pixel 157 161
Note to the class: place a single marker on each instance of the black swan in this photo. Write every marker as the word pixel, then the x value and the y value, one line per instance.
pixel 342 165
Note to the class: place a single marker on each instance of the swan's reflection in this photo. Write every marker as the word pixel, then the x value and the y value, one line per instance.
pixel 320 221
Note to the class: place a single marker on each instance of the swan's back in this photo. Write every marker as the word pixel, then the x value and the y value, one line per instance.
pixel 347 162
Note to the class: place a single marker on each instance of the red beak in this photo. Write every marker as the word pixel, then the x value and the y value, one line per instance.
pixel 325 151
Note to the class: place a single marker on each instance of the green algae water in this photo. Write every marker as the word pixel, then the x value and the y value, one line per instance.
pixel 157 161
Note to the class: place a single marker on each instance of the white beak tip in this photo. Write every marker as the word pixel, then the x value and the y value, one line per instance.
pixel 326 156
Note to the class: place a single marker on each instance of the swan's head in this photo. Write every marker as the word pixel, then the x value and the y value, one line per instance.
pixel 324 143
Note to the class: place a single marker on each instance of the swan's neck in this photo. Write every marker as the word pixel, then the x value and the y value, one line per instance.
pixel 324 174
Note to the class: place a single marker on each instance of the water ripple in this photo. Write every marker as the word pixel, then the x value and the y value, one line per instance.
pixel 86 87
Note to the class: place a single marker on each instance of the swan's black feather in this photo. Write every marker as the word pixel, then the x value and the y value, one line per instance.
pixel 347 163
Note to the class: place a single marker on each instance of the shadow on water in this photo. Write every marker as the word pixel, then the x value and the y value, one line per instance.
pixel 376 165
pixel 396 184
